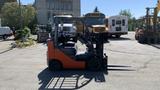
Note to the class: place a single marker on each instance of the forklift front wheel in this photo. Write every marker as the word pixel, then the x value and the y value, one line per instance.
pixel 93 65
pixel 55 65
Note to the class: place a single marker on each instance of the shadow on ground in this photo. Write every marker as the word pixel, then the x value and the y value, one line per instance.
pixel 72 79
pixel 156 46
pixel 2 40
pixel 118 39
pixel 68 80
pixel 6 50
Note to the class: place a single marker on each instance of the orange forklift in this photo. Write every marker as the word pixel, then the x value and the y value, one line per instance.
pixel 63 55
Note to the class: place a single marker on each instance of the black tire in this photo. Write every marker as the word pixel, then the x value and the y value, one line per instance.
pixel 118 36
pixel 75 39
pixel 136 37
pixel 4 37
pixel 105 62
pixel 142 39
pixel 109 35
pixel 159 40
pixel 105 69
pixel 93 65
pixel 55 65
pixel 38 39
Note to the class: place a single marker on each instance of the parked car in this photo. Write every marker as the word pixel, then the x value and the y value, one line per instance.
pixel 5 32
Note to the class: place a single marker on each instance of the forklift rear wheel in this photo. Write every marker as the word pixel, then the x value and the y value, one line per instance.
pixel 55 65
pixel 142 39
pixel 136 37
pixel 4 37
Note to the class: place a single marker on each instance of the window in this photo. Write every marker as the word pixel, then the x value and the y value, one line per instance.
pixel 123 22
pixel 94 21
pixel 113 22
pixel 52 6
pixel 48 15
pixel 106 22
pixel 70 5
pixel 67 5
pixel 60 5
pixel 118 22
pixel 63 6
pixel 67 28
pixel 57 5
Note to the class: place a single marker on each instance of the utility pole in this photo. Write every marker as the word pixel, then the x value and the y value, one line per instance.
pixel 0 22
pixel 20 12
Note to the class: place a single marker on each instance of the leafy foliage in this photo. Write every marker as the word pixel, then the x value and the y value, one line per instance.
pixel 10 0
pixel 12 15
pixel 23 34
pixel 28 15
pixel 23 38
pixel 132 20
pixel 5 1
pixel 126 13
pixel 21 44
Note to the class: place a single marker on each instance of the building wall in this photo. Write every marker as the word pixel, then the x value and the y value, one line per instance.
pixel 46 8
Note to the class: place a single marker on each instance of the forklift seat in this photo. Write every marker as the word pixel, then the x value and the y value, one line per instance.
pixel 68 48
pixel 85 56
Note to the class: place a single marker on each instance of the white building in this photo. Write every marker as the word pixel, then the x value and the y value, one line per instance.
pixel 46 8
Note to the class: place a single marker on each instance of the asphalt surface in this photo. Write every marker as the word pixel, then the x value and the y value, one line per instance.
pixel 132 66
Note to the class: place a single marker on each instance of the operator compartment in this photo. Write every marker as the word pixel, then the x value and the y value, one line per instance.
pixel 71 50
pixel 68 48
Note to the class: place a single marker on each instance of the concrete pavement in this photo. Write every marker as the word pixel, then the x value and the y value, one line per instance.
pixel 132 66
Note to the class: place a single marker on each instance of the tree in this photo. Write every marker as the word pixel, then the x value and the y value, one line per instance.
pixel 28 15
pixel 126 13
pixel 2 2
pixel 10 0
pixel 132 20
pixel 11 15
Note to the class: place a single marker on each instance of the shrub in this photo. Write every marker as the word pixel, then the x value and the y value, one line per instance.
pixel 23 34
pixel 23 44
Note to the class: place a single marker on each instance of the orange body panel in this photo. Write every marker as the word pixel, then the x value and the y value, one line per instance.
pixel 66 61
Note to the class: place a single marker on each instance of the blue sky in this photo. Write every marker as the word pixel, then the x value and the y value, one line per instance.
pixel 113 7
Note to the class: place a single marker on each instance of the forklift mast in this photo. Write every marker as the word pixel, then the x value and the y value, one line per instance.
pixel 96 46
pixel 152 16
